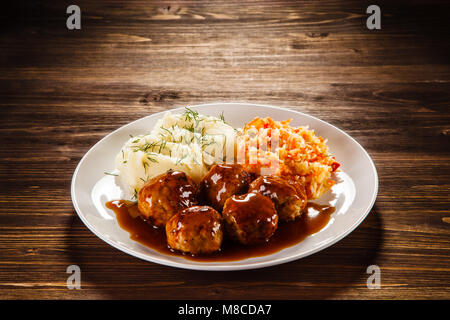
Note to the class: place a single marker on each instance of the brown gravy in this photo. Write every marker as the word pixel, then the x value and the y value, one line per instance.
pixel 315 218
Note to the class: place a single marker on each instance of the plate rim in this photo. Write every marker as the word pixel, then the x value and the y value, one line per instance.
pixel 206 266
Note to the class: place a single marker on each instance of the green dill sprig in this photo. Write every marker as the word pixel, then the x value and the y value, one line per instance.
pixel 190 114
pixel 205 145
pixel 150 146
pixel 222 118
pixel 135 195
pixel 169 132
pixel 190 128
pixel 152 160
pixel 180 159
pixel 111 174
pixel 162 146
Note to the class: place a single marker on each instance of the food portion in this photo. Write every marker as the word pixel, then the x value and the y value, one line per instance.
pixel 195 230
pixel 166 194
pixel 250 218
pixel 221 182
pixel 202 182
pixel 274 147
pixel 187 142
pixel 288 202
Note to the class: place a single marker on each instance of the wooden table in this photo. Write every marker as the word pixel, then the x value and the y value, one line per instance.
pixel 61 91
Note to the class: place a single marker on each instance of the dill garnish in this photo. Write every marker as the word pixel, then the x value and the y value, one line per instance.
pixel 145 166
pixel 173 138
pixel 152 160
pixel 162 146
pixel 181 159
pixel 111 174
pixel 190 114
pixel 147 146
pixel 135 195
pixel 191 128
pixel 222 118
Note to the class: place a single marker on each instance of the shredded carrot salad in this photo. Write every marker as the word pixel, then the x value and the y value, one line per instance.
pixel 274 147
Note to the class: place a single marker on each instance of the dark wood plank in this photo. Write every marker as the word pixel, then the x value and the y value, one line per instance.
pixel 61 91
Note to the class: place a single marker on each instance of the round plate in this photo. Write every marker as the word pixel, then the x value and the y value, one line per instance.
pixel 353 195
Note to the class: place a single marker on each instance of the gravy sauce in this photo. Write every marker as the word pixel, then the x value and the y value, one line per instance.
pixel 314 218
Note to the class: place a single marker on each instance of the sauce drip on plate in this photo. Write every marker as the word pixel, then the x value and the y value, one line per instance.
pixel 314 218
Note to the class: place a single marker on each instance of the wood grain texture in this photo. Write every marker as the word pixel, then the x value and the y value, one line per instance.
pixel 61 91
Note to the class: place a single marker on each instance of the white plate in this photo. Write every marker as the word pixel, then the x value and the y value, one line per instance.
pixel 353 195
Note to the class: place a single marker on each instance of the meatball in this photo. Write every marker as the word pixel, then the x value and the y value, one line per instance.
pixel 298 185
pixel 165 195
pixel 220 183
pixel 250 218
pixel 196 230
pixel 288 202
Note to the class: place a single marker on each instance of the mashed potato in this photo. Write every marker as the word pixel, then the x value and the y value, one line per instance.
pixel 188 142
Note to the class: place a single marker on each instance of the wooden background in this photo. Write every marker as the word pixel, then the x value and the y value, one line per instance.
pixel 61 91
